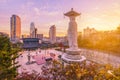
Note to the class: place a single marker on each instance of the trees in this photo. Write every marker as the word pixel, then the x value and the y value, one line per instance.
pixel 118 29
pixel 85 42
pixel 32 76
pixel 8 66
pixel 107 72
pixel 107 41
pixel 75 71
pixel 83 71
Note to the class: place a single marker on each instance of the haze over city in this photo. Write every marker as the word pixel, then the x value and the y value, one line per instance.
pixel 98 14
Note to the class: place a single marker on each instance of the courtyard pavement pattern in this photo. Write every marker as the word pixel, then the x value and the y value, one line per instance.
pixel 39 57
pixel 36 56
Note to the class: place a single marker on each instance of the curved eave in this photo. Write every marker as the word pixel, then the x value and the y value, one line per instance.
pixel 72 13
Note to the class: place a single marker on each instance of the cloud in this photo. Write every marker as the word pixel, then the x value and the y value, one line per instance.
pixel 37 11
pixel 53 13
pixel 29 3
pixel 3 1
pixel 40 12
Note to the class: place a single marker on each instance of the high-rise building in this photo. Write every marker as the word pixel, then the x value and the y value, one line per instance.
pixel 32 30
pixel 15 27
pixel 35 32
pixel 52 34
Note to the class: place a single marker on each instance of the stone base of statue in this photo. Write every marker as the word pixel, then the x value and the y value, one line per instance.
pixel 73 56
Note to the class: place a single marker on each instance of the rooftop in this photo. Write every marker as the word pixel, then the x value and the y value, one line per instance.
pixel 72 13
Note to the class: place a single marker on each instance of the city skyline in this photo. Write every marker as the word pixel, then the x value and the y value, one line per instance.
pixel 101 15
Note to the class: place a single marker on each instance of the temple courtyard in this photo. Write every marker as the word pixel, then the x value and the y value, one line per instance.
pixel 38 59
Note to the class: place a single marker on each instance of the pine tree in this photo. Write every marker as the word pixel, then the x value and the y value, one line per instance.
pixel 8 55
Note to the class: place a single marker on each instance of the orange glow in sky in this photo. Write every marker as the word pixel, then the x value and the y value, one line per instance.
pixel 98 14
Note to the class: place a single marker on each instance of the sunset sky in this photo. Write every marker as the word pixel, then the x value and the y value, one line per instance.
pixel 98 14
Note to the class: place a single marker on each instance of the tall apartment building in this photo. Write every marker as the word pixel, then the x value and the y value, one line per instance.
pixel 52 34
pixel 33 31
pixel 15 28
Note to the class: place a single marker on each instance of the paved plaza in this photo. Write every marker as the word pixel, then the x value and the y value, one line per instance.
pixel 38 59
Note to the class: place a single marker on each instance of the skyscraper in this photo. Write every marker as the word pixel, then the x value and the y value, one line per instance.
pixel 15 28
pixel 32 30
pixel 52 34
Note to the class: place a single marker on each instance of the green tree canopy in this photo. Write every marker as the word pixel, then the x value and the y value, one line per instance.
pixel 8 55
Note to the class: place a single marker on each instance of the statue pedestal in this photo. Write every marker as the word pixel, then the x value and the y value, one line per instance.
pixel 73 56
